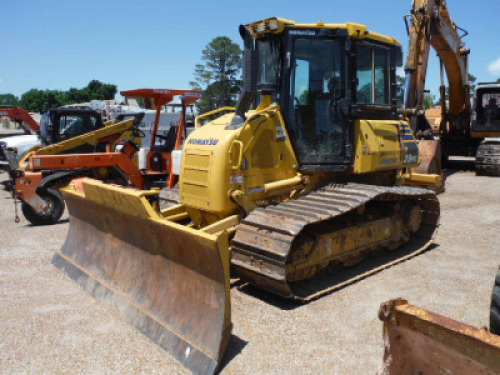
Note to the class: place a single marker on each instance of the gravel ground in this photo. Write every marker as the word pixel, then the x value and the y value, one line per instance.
pixel 49 325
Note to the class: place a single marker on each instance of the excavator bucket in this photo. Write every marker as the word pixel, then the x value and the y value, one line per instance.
pixel 418 341
pixel 169 281
pixel 429 173
pixel 429 152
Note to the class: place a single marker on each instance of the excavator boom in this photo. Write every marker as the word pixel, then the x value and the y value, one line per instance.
pixel 430 25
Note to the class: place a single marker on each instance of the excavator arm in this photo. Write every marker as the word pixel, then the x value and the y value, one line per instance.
pixel 20 116
pixel 430 25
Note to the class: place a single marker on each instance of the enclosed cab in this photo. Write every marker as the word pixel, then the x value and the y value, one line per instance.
pixel 486 128
pixel 325 77
pixel 486 115
pixel 60 124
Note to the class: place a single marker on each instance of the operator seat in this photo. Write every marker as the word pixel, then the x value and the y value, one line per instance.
pixel 168 141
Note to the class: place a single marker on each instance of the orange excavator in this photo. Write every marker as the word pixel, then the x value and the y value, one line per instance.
pixel 48 172
pixel 429 25
pixel 20 117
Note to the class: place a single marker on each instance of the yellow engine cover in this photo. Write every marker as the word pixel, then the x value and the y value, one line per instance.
pixel 383 145
pixel 218 158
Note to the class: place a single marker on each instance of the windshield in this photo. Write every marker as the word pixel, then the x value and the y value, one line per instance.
pixel 489 106
pixel 488 109
pixel 317 84
pixel 268 68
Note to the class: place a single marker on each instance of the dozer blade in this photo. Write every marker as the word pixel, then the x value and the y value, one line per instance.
pixel 169 281
pixel 418 341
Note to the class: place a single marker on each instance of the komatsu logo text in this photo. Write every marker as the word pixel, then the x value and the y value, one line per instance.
pixel 203 142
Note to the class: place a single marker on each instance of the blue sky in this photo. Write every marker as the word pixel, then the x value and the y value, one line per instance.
pixel 63 44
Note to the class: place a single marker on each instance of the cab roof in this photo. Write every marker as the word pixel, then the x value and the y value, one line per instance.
pixel 276 25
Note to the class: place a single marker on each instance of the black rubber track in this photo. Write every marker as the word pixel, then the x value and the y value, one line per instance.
pixel 488 160
pixel 495 307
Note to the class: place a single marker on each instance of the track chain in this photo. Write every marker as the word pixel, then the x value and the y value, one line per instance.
pixel 488 159
pixel 264 239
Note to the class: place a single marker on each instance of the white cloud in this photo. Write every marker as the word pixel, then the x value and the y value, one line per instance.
pixel 494 67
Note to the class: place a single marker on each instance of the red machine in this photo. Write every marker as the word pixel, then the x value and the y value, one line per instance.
pixel 21 117
pixel 50 172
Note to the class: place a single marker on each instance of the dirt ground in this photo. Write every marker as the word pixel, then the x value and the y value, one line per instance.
pixel 49 325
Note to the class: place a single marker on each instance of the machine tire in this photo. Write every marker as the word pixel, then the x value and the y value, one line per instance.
pixel 7 185
pixel 50 217
pixel 495 307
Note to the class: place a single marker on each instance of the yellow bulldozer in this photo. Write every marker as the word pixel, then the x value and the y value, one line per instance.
pixel 307 175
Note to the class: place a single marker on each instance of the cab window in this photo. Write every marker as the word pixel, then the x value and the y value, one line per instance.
pixel 316 86
pixel 372 73
pixel 73 125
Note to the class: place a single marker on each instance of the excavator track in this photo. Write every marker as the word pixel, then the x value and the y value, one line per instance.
pixel 269 244
pixel 488 159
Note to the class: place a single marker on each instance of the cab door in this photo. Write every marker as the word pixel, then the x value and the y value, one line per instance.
pixel 318 127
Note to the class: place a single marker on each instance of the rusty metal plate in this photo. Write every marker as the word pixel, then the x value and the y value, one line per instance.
pixel 429 152
pixel 418 341
pixel 170 282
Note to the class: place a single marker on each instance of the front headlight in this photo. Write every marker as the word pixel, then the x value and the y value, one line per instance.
pixel 274 25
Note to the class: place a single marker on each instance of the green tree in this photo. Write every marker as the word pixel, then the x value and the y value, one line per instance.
pixel 429 101
pixel 100 91
pixel 32 100
pixel 8 99
pixel 400 90
pixel 472 83
pixel 38 100
pixel 218 75
pixel 74 95
pixel 52 99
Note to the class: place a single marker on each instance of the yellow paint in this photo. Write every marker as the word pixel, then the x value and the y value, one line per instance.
pixel 211 165
pixel 134 202
pixel 376 146
pixel 354 30
pixel 91 138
